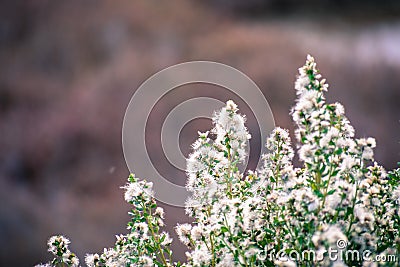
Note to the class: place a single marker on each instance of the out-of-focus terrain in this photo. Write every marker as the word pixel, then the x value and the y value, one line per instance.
pixel 69 68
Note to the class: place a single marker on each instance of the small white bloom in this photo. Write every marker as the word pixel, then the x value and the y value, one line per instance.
pixel 231 106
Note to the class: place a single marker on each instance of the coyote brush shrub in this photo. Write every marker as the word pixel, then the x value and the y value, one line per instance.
pixel 340 208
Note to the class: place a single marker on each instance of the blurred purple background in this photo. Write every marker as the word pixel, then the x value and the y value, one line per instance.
pixel 69 68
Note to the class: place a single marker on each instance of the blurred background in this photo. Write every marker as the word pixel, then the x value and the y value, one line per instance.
pixel 69 68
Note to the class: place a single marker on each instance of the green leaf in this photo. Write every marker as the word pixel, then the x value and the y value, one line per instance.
pixel 318 193
pixel 335 172
pixel 330 192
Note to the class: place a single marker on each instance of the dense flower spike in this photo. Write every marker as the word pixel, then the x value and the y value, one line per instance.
pixel 279 215
pixel 212 168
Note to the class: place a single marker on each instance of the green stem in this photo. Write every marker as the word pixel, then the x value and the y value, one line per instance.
pixel 233 240
pixel 354 200
pixel 212 250
pixel 278 166
pixel 229 170
pixel 327 186
pixel 352 214
pixel 155 237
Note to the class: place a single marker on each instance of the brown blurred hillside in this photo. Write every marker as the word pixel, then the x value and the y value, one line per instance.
pixel 69 69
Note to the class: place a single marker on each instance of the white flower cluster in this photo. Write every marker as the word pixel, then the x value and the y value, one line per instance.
pixel 58 246
pixel 339 196
pixel 145 245
pixel 212 168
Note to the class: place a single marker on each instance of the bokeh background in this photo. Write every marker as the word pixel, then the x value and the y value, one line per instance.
pixel 69 68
